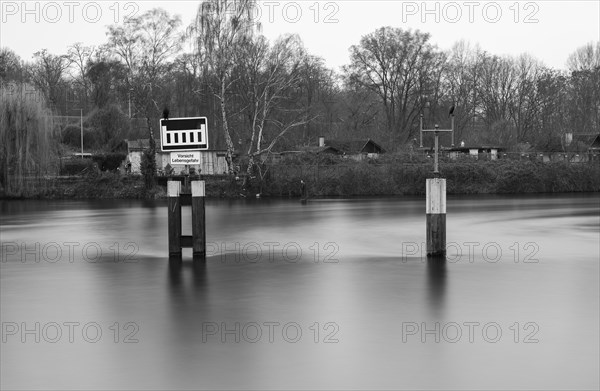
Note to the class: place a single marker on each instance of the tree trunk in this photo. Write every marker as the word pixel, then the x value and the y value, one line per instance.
pixel 150 134
pixel 229 155
pixel 150 168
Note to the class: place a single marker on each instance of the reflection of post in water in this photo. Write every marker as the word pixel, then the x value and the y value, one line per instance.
pixel 175 268
pixel 188 287
pixel 436 283
pixel 178 281
pixel 188 305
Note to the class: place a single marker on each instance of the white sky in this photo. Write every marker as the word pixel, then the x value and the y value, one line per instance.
pixel 548 30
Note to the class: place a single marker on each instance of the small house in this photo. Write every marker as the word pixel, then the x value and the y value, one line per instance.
pixel 585 146
pixel 326 150
pixel 212 161
pixel 475 151
pixel 135 150
pixel 355 149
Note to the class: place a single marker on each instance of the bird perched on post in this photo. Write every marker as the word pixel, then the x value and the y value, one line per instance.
pixel 166 113
pixel 451 112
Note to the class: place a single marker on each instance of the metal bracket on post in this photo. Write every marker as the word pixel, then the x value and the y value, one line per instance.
pixel 436 132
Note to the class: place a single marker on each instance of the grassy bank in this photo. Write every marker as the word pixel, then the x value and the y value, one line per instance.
pixel 342 180
pixel 475 177
pixel 104 186
pixel 109 186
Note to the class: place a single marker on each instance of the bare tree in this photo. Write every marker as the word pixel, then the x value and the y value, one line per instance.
pixel 81 58
pixel 461 77
pixel 47 74
pixel 273 74
pixel 586 57
pixel 400 67
pixel 221 28
pixel 553 110
pixel 584 65
pixel 146 45
pixel 11 66
pixel 524 107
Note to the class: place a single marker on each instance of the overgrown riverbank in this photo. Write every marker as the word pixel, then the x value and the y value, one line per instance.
pixel 340 180
pixel 479 177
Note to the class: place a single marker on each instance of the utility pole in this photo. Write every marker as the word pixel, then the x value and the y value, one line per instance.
pixel 130 102
pixel 81 118
pixel 421 131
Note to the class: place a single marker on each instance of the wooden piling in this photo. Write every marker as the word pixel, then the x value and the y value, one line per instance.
pixel 174 218
pixel 303 192
pixel 198 219
pixel 436 217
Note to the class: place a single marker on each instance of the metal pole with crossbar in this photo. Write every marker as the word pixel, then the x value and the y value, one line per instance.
pixel 436 132
pixel 436 201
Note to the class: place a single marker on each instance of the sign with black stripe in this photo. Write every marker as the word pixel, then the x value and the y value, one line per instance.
pixel 184 134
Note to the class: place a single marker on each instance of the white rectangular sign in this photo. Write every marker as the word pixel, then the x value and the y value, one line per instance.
pixel 190 157
pixel 184 134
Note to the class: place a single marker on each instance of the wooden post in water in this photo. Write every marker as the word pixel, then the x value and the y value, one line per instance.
pixel 436 217
pixel 177 198
pixel 174 218
pixel 198 220
pixel 436 202
pixel 303 192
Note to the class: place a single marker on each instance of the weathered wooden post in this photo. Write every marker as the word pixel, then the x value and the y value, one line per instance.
pixel 178 198
pixel 436 217
pixel 198 219
pixel 174 218
pixel 303 192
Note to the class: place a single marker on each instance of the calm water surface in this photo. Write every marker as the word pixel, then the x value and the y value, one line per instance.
pixel 331 294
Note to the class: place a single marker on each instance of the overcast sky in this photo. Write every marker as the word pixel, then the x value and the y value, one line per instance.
pixel 548 30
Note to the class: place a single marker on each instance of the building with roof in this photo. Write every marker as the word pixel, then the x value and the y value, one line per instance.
pixel 582 147
pixel 212 161
pixel 475 151
pixel 357 149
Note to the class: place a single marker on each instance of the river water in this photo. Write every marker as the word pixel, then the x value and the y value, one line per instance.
pixel 330 294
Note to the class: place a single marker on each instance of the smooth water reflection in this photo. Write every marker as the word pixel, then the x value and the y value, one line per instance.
pixel 356 312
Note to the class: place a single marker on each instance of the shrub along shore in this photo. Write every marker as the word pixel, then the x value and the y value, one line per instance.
pixel 338 180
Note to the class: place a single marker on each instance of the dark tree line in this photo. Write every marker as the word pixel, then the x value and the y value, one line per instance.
pixel 266 96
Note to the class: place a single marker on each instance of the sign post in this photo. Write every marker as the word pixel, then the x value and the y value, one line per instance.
pixel 184 138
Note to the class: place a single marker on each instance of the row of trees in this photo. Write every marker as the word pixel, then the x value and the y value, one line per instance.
pixel 263 96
